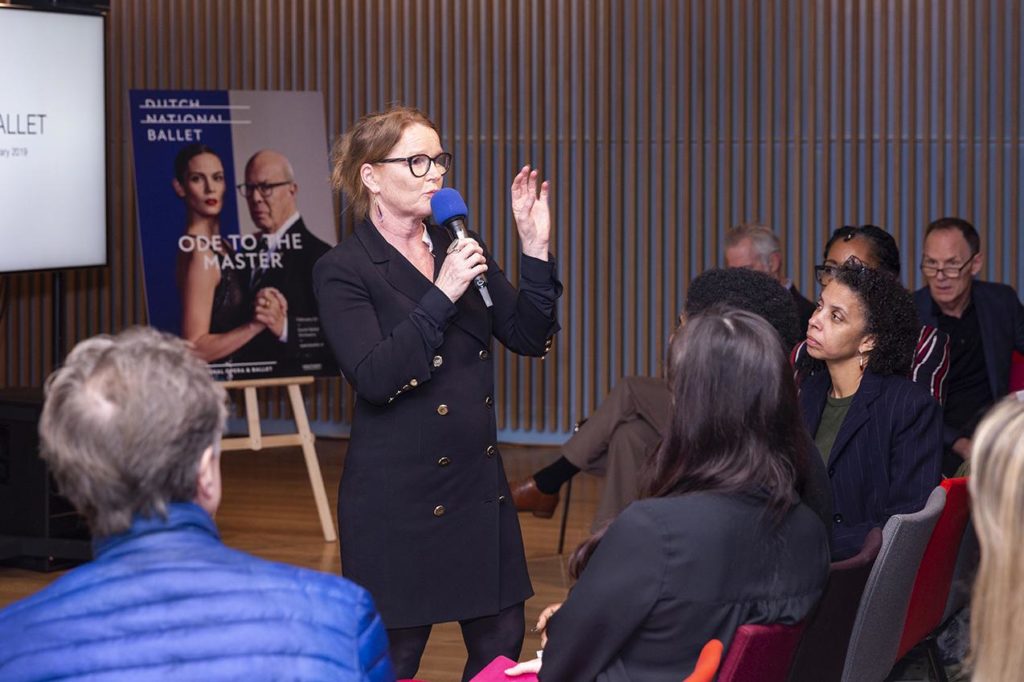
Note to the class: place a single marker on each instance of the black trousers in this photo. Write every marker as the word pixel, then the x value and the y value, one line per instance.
pixel 486 638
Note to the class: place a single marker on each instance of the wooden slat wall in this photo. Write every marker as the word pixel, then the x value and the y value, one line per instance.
pixel 659 123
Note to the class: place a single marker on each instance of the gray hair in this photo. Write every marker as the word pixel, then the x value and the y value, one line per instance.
pixel 125 423
pixel 764 241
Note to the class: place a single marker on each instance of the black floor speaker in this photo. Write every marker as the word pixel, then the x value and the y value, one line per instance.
pixel 39 529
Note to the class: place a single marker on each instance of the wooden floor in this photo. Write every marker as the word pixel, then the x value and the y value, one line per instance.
pixel 268 510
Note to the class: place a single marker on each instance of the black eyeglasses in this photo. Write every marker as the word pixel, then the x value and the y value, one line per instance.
pixel 826 272
pixel 950 271
pixel 264 188
pixel 419 164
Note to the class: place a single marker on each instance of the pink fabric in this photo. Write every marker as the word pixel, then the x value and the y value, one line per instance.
pixel 495 672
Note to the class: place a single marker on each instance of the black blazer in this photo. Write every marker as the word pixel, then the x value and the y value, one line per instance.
pixel 294 279
pixel 886 458
pixel 427 522
pixel 674 572
pixel 1001 319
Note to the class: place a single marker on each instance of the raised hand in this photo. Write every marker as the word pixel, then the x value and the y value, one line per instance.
pixel 530 208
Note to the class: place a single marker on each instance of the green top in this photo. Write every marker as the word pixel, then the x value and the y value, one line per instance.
pixel 831 419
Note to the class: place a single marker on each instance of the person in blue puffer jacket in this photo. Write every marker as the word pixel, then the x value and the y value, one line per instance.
pixel 131 429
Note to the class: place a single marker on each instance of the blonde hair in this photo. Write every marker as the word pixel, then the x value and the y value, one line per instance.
pixel 368 140
pixel 997 498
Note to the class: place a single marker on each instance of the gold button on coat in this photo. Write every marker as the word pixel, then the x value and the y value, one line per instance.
pixel 414 382
pixel 439 510
pixel 484 355
pixel 443 462
pixel 491 451
pixel 442 409
pixel 488 401
pixel 438 361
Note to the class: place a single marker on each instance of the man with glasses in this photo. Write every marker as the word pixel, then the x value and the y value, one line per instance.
pixel 985 322
pixel 282 276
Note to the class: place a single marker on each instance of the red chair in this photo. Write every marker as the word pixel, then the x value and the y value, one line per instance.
pixel 1017 372
pixel 822 651
pixel 707 663
pixel 761 653
pixel 935 575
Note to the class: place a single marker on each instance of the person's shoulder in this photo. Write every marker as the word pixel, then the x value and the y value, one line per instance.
pixel 317 585
pixel 996 291
pixel 698 512
pixel 903 390
pixel 349 253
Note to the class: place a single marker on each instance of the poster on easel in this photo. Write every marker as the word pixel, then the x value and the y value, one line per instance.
pixel 234 209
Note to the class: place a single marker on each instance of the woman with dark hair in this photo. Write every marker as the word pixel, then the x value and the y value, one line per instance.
pixel 216 315
pixel 879 433
pixel 720 537
pixel 872 246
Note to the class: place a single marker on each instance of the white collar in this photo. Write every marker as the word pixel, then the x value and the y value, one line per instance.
pixel 427 240
pixel 274 239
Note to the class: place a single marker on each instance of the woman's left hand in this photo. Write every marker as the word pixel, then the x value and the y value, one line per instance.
pixel 530 208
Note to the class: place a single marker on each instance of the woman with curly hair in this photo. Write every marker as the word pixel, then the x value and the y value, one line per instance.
pixel 879 433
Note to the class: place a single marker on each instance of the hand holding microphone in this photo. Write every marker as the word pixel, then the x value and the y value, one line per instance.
pixel 465 261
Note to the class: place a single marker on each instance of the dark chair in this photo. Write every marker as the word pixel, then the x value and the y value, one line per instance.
pixel 822 650
pixel 935 576
pixel 761 653
pixel 875 638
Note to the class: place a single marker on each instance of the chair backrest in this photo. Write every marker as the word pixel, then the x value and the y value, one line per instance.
pixel 1017 372
pixel 935 575
pixel 761 653
pixel 707 662
pixel 822 650
pixel 883 607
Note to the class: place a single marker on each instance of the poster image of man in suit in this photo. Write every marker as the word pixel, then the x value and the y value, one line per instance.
pixel 281 275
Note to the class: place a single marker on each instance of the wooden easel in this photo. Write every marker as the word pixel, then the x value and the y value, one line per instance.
pixel 304 437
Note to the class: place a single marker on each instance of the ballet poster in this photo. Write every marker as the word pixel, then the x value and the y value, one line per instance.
pixel 234 208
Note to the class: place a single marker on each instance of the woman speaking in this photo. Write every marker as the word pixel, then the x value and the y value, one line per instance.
pixel 427 523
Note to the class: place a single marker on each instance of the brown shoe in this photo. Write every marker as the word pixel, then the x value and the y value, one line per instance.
pixel 528 498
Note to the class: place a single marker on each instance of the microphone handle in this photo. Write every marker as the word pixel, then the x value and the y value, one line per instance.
pixel 480 280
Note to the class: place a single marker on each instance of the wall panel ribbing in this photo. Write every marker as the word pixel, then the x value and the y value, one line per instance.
pixel 659 123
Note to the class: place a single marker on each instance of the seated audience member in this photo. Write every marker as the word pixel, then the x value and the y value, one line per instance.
pixel 131 429
pixel 627 426
pixel 997 508
pixel 719 537
pixel 756 247
pixel 984 320
pixel 875 248
pixel 880 434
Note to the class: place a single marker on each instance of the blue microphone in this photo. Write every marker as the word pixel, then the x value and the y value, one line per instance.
pixel 450 210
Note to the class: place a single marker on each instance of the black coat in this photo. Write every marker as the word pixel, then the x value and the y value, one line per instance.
pixel 887 455
pixel 674 572
pixel 304 352
pixel 427 522
pixel 1001 321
